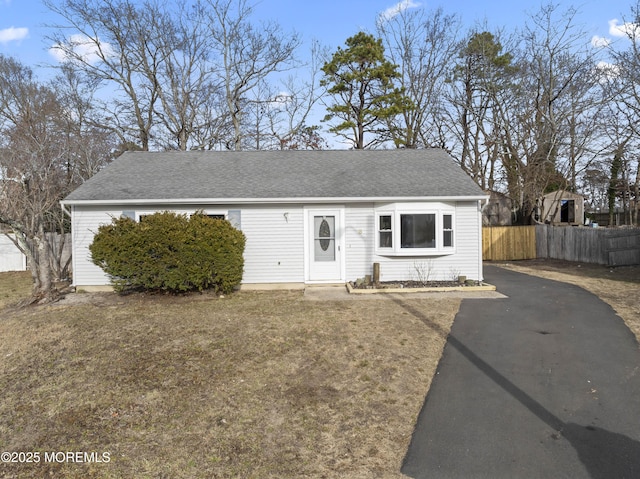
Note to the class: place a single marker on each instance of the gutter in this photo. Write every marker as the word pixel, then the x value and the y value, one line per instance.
pixel 64 209
pixel 289 200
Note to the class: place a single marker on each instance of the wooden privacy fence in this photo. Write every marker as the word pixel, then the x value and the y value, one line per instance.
pixel 611 247
pixel 506 243
pixel 607 246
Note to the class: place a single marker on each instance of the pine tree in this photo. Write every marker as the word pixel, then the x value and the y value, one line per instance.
pixel 362 82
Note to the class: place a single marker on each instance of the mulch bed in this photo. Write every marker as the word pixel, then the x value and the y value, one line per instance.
pixel 409 284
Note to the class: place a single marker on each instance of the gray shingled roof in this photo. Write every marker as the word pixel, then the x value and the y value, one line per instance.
pixel 272 175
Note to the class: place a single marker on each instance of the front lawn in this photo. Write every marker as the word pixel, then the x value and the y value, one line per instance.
pixel 14 286
pixel 253 385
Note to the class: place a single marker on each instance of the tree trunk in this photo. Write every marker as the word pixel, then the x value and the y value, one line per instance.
pixel 43 290
pixel 636 193
pixel 613 180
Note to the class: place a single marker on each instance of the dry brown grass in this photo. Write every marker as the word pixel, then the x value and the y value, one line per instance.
pixel 14 287
pixel 254 385
pixel 619 287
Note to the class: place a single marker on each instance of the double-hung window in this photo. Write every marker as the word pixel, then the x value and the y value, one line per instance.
pixel 447 230
pixel 385 231
pixel 414 232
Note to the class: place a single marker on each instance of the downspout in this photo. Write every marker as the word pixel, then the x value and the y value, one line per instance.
pixel 73 256
pixel 64 210
pixel 481 205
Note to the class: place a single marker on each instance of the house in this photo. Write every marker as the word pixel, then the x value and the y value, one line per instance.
pixel 498 211
pixel 562 208
pixel 308 216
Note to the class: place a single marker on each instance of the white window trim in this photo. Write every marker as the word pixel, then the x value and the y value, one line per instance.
pixel 398 209
pixel 216 212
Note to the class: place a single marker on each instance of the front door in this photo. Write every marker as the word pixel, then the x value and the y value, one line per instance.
pixel 324 241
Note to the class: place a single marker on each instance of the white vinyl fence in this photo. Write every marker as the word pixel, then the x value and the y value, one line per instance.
pixel 11 258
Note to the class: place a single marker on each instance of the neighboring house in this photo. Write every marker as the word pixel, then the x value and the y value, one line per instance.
pixel 498 211
pixel 308 216
pixel 562 208
pixel 11 258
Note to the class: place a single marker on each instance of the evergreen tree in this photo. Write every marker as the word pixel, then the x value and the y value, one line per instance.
pixel 362 82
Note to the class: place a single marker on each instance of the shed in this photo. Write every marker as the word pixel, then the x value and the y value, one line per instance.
pixel 562 208
pixel 308 216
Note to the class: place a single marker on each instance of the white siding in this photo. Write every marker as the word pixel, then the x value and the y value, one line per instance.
pixel 85 221
pixel 468 258
pixel 359 240
pixel 274 251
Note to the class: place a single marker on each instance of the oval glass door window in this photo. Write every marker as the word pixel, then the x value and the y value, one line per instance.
pixel 325 234
pixel 324 238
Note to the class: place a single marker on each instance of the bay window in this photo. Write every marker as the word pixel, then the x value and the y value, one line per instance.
pixel 413 232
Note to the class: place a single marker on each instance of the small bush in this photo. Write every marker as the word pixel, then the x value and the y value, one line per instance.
pixel 170 252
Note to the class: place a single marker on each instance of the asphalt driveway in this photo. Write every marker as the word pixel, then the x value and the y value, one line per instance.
pixel 542 384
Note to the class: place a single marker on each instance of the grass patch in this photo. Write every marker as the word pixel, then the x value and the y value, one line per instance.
pixel 254 385
pixel 14 286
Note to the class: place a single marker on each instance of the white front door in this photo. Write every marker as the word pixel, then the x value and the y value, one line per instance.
pixel 324 245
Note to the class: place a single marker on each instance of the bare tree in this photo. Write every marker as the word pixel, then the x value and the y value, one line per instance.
pixel 422 44
pixel 40 162
pixel 186 83
pixel 623 83
pixel 183 74
pixel 154 59
pixel 287 109
pixel 480 80
pixel 109 44
pixel 87 143
pixel 546 116
pixel 247 55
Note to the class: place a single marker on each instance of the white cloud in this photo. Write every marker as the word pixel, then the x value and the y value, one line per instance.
pixel 627 29
pixel 84 47
pixel 600 42
pixel 13 34
pixel 280 101
pixel 608 71
pixel 397 9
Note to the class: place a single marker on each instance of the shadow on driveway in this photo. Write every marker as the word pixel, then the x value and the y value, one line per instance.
pixel 548 337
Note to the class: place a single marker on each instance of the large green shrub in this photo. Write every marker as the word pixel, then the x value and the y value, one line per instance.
pixel 170 252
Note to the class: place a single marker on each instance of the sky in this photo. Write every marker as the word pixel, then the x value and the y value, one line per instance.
pixel 23 22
